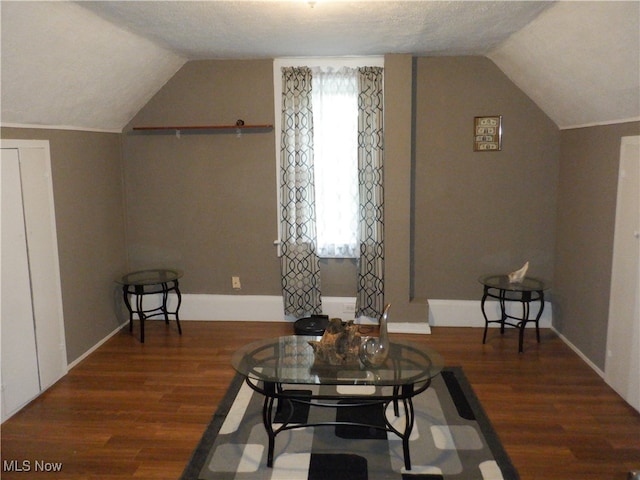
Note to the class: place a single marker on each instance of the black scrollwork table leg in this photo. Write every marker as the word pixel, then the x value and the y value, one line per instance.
pixel 484 313
pixel 526 300
pixel 179 297
pixel 409 414
pixel 139 292
pixel 267 418
pixel 125 293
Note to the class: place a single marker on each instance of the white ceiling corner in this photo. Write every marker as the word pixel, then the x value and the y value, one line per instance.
pixel 579 61
pixel 64 66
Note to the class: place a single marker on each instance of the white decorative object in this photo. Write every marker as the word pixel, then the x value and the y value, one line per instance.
pixel 518 275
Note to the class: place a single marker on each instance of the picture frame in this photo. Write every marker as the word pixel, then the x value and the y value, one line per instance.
pixel 487 133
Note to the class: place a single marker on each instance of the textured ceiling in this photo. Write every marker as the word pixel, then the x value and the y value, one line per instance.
pixel 95 64
pixel 252 29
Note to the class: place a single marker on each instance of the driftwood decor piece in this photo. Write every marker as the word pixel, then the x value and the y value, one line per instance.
pixel 339 345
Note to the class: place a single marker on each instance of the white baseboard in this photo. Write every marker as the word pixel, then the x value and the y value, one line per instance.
pixel 270 308
pixel 593 366
pixel 422 328
pixel 266 308
pixel 468 313
pixel 95 347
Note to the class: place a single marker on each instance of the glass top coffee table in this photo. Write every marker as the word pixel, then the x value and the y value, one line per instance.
pixel 272 367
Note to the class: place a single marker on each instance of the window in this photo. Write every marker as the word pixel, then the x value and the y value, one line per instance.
pixel 335 137
pixel 316 116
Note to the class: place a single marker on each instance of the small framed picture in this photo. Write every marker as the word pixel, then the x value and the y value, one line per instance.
pixel 487 133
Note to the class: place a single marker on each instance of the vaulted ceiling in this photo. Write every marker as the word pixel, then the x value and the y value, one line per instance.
pixel 93 65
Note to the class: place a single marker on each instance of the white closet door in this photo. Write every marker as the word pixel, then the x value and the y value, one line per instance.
pixel 20 378
pixel 622 367
pixel 32 324
pixel 42 247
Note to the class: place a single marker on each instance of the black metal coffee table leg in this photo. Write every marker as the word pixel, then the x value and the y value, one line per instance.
pixel 409 416
pixel 267 418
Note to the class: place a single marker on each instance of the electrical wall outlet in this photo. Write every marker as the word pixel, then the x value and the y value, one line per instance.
pixel 235 283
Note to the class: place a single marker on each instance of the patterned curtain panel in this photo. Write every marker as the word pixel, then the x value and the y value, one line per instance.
pixel 300 266
pixel 370 295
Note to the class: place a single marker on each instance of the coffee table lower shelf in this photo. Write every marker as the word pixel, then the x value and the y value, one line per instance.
pixel 275 393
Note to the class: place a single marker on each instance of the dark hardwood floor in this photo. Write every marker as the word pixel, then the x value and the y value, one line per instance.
pixel 133 410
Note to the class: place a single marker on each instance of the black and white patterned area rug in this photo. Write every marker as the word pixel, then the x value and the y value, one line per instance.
pixel 452 439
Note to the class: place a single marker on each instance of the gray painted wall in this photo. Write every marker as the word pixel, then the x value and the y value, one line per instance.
pixel 589 161
pixel 206 203
pixel 479 212
pixel 472 213
pixel 88 197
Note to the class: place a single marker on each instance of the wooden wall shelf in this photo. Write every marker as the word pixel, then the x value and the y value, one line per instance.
pixel 204 129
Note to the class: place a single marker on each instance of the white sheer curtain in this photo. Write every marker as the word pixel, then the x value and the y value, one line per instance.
pixel 335 123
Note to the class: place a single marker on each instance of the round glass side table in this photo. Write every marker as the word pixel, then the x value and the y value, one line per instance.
pixel 150 282
pixel 528 290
